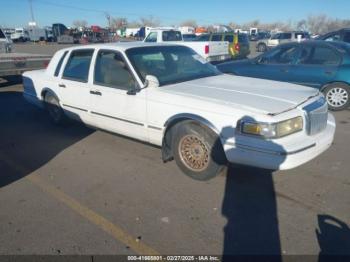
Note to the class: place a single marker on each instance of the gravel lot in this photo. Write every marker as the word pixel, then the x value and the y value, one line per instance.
pixel 74 190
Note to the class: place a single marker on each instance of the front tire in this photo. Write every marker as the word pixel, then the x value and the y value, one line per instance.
pixel 197 151
pixel 54 109
pixel 337 96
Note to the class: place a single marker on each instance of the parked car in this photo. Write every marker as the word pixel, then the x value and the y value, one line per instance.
pixel 168 95
pixel 319 64
pixel 340 35
pixel 281 38
pixel 20 35
pixel 5 43
pixel 259 36
pixel 210 51
pixel 238 43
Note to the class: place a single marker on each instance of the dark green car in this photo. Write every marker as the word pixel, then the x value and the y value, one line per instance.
pixel 238 42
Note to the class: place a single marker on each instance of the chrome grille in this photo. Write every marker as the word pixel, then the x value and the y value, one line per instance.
pixel 317 116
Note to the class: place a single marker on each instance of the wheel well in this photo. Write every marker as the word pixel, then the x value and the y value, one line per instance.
pixel 170 131
pixel 331 83
pixel 43 93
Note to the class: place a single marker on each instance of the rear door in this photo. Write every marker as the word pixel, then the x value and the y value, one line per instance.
pixel 72 86
pixel 316 66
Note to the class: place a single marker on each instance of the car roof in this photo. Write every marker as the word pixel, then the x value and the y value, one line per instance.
pixel 335 44
pixel 120 46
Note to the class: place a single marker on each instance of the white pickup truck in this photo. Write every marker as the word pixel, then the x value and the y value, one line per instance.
pixel 16 63
pixel 210 51
pixel 170 96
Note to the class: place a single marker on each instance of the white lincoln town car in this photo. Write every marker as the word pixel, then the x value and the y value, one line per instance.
pixel 168 95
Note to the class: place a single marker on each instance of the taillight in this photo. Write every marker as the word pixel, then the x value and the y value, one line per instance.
pixel 46 63
pixel 206 49
pixel 237 47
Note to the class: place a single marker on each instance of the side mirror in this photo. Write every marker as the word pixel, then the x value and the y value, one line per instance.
pixel 151 81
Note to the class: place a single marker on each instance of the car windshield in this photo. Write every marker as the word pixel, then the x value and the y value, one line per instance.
pixel 170 64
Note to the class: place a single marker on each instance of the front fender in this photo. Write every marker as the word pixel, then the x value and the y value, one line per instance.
pixel 172 121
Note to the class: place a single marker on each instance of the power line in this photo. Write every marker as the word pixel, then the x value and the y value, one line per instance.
pixel 103 12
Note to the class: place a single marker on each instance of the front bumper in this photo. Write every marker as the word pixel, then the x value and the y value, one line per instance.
pixel 278 156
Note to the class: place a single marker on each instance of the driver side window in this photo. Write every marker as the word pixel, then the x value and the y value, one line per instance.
pixel 112 71
pixel 284 55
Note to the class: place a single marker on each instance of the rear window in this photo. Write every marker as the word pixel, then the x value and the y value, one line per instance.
pixel 243 38
pixel 78 65
pixel 216 38
pixel 203 38
pixel 229 38
pixel 171 36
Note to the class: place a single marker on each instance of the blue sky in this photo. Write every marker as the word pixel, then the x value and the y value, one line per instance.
pixel 17 12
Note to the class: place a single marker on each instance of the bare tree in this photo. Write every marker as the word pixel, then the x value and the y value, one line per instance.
pixel 302 25
pixel 80 23
pixel 189 22
pixel 118 22
pixel 150 21
pixel 234 25
pixel 134 24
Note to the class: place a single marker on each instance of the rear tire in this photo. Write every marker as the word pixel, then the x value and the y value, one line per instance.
pixel 197 151
pixel 337 96
pixel 54 109
pixel 262 48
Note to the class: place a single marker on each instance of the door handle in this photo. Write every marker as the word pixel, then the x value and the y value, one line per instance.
pixel 95 92
pixel 328 72
pixel 62 85
pixel 284 70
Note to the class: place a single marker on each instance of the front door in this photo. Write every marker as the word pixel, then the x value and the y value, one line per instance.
pixel 274 65
pixel 113 108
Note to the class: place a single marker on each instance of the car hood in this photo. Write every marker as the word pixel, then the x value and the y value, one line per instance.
pixel 258 95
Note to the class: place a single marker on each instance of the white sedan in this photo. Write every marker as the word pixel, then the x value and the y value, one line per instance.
pixel 169 96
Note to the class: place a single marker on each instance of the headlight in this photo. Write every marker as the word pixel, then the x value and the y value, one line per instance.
pixel 274 130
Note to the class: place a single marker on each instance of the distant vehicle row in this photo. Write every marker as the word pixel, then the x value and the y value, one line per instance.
pixel 210 51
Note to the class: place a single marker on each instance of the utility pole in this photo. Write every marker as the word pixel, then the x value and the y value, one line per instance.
pixel 31 10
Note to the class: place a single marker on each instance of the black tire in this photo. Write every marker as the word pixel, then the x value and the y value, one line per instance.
pixel 262 48
pixel 337 96
pixel 54 109
pixel 191 140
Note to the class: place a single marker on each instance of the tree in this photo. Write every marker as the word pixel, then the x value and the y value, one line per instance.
pixel 80 23
pixel 189 22
pixel 150 21
pixel 118 22
pixel 302 25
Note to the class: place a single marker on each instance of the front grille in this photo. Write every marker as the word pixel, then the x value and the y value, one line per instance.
pixel 317 116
